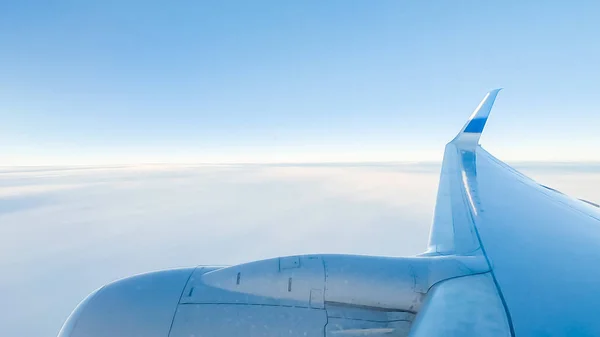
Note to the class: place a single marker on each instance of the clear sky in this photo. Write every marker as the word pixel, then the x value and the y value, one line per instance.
pixel 93 82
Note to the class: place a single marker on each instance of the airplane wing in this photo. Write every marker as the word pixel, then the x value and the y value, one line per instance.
pixel 542 247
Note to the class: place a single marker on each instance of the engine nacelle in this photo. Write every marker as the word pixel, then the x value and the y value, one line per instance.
pixel 310 295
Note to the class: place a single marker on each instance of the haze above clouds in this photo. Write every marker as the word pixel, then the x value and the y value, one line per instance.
pixel 100 82
pixel 66 231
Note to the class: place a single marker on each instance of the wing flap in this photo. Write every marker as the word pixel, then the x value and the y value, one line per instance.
pixel 464 306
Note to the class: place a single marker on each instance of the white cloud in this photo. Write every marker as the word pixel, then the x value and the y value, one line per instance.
pixel 66 231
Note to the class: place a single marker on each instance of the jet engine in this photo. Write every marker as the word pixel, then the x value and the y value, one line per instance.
pixel 296 296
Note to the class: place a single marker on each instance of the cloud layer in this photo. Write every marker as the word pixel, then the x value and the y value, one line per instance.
pixel 66 231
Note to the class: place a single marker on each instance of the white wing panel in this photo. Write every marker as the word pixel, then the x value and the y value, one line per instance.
pixel 543 247
pixel 544 250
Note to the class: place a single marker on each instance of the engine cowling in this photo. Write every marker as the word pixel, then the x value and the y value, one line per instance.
pixel 310 295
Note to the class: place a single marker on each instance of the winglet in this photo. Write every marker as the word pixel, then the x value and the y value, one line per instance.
pixel 469 135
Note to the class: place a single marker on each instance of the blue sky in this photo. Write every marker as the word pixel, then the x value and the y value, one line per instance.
pixel 101 82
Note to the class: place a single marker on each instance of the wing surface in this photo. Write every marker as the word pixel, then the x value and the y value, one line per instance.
pixel 543 247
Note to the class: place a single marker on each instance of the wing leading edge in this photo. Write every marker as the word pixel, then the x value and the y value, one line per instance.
pixel 541 245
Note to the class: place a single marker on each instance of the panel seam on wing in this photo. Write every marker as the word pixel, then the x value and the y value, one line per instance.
pixel 487 259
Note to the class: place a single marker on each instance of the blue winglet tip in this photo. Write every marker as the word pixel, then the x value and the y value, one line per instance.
pixel 478 119
pixel 476 125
